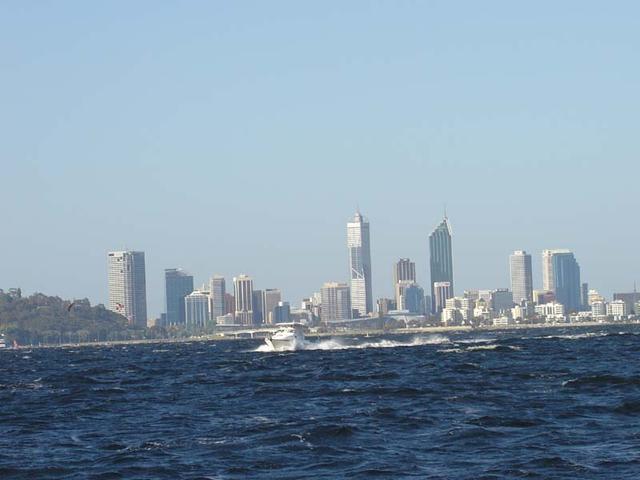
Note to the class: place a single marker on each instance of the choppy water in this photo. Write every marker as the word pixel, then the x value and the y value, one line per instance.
pixel 527 404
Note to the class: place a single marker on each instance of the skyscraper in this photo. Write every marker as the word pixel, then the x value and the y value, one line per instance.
pixel 410 297
pixel 177 285
pixel 197 310
pixel 243 289
pixel 521 276
pixel 258 314
pixel 360 265
pixel 561 275
pixel 441 292
pixel 217 291
pixel 441 259
pixel 404 270
pixel 336 302
pixel 127 286
pixel 270 299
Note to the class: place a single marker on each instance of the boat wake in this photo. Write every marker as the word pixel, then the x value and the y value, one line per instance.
pixel 349 344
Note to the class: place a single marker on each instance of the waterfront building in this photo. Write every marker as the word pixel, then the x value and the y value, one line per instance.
pixel 271 297
pixel 410 297
pixel 521 276
pixel 360 265
pixel 196 310
pixel 243 292
pixel 226 320
pixel 127 286
pixel 336 302
pixel 552 311
pixel 217 290
pixel 282 312
pixel 441 260
pixel 561 275
pixel 441 291
pixel 177 285
pixel 630 299
pixel 594 296
pixel 229 304
pixel 598 309
pixel 541 297
pixel 617 309
pixel 385 305
pixel 501 300
pixel 584 297
pixel 258 316
pixel 464 306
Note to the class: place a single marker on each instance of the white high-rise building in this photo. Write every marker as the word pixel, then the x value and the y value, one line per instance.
pixel 196 307
pixel 521 276
pixel 243 288
pixel 336 302
pixel 360 265
pixel 217 289
pixel 127 286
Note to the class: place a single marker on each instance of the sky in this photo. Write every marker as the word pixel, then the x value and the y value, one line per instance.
pixel 240 137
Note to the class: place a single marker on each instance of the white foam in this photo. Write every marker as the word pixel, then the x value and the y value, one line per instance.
pixel 344 344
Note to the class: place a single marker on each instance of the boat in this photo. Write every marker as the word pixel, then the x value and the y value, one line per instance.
pixel 288 337
pixel 3 341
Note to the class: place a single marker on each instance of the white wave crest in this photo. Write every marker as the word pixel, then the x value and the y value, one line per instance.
pixel 347 344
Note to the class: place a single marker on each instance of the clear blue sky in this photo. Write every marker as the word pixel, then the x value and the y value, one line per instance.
pixel 239 137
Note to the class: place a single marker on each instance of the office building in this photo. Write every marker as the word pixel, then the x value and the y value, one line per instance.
pixel 501 300
pixel 177 285
pixel 336 302
pixel 404 270
pixel 217 291
pixel 521 276
pixel 243 292
pixel 282 312
pixel 617 309
pixel 196 310
pixel 561 275
pixel 630 299
pixel 258 317
pixel 441 292
pixel 127 286
pixel 441 260
pixel 410 297
pixel 360 265
pixel 271 297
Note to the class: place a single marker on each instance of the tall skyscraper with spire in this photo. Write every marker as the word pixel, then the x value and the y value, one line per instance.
pixel 441 257
pixel 360 264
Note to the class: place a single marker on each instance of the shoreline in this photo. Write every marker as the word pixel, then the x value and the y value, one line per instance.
pixel 344 333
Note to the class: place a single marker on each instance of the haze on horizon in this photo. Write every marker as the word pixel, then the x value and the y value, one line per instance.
pixel 240 137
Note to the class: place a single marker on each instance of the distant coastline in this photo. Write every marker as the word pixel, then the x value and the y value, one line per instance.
pixel 341 333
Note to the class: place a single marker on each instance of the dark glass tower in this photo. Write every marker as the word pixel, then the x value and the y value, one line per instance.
pixel 178 284
pixel 441 256
pixel 566 280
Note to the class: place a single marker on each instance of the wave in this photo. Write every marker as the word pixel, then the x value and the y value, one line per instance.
pixel 348 344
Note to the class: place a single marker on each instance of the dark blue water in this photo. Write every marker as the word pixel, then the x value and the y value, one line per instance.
pixel 527 404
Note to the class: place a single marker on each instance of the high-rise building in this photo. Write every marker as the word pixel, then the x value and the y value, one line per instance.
pixel 282 313
pixel 360 265
pixel 441 292
pixel 521 276
pixel 177 285
pixel 584 297
pixel 243 290
pixel 336 302
pixel 197 309
pixel 561 275
pixel 127 286
pixel 270 299
pixel 258 316
pixel 501 300
pixel 404 270
pixel 630 299
pixel 441 260
pixel 217 291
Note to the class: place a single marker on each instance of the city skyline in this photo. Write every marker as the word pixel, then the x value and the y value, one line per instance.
pixel 400 110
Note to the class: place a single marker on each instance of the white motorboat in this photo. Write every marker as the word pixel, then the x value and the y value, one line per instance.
pixel 288 337
pixel 3 341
